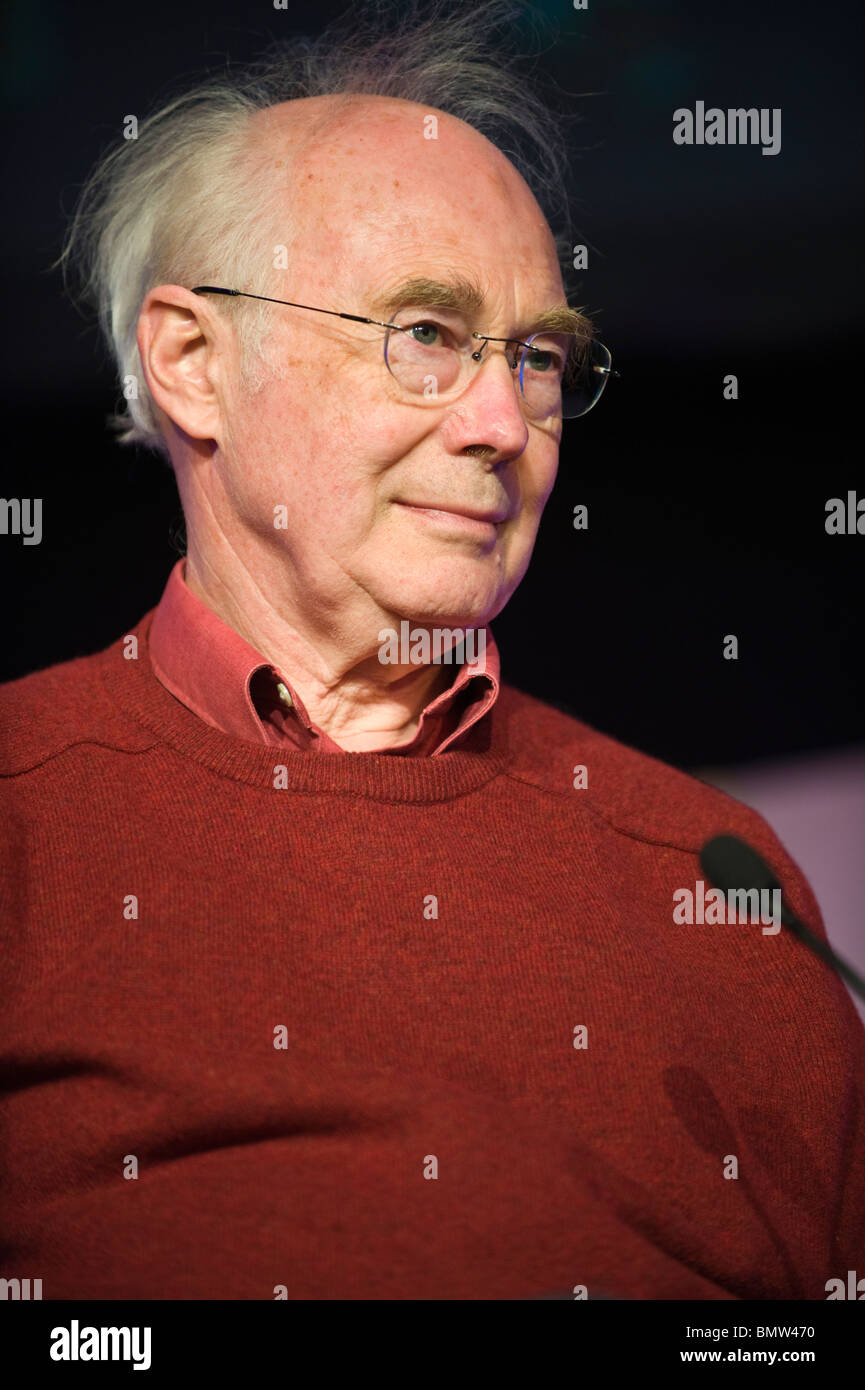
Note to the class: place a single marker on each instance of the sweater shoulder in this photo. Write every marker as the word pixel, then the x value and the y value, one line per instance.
pixel 638 795
pixel 45 713
pixel 635 793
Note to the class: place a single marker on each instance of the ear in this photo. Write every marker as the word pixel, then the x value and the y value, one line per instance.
pixel 183 345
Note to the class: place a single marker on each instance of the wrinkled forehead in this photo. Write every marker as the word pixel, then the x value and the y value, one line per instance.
pixel 376 183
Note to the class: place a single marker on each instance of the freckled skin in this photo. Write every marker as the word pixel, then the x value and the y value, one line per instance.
pixel 372 201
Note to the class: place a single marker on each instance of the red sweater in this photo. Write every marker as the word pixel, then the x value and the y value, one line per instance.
pixel 223 971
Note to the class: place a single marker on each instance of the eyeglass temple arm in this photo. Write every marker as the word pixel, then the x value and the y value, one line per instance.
pixel 243 294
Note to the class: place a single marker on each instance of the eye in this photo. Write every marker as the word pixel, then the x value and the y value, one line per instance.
pixel 428 333
pixel 546 360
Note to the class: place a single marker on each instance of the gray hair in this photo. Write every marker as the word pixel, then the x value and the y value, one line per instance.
pixel 182 203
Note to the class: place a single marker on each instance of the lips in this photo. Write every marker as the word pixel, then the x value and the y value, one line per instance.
pixel 470 513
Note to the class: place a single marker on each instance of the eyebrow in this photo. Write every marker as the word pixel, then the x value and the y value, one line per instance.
pixel 466 297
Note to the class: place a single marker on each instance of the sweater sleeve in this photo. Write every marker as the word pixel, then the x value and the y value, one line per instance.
pixel 825 1134
pixel 842 1037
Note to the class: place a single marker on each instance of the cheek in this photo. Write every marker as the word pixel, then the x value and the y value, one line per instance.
pixel 322 458
pixel 331 425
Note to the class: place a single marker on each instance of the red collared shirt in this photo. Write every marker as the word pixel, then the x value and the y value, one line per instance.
pixel 215 673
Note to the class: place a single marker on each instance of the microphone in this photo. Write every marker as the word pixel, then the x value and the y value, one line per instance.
pixel 732 863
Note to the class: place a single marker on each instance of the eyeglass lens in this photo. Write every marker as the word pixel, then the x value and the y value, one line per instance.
pixel 429 356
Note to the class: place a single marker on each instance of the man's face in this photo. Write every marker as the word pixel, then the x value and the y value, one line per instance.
pixel 375 486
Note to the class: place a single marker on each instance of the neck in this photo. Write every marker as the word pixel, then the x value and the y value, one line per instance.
pixel 361 703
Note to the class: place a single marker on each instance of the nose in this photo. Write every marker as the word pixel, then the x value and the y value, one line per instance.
pixel 490 413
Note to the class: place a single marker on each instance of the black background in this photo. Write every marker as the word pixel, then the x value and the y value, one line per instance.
pixel 706 517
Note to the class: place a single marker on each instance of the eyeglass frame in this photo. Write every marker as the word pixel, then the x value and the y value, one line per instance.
pixel 406 328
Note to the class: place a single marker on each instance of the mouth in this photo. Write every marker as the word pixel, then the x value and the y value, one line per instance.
pixel 488 518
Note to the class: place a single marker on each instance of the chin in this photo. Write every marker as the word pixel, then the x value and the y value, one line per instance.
pixel 446 590
pixel 439 608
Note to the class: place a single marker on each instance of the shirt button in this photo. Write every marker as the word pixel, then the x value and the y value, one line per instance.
pixel 283 694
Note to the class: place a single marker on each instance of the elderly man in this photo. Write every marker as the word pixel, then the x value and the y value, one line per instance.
pixel 333 969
